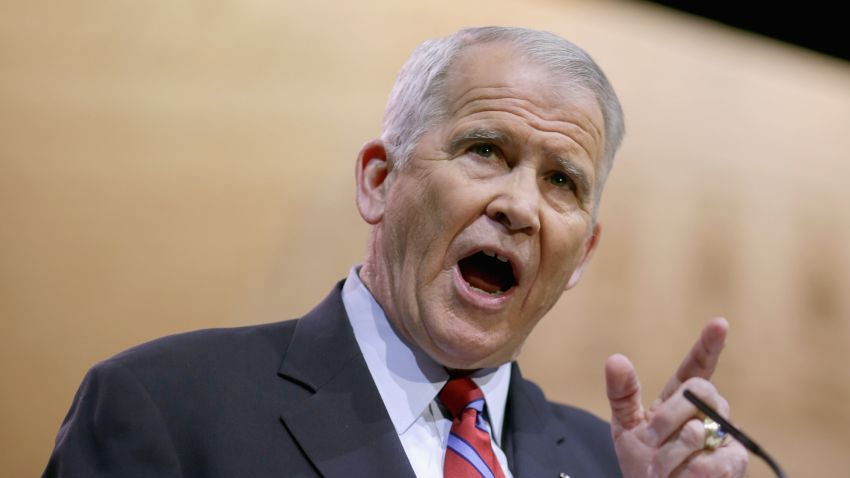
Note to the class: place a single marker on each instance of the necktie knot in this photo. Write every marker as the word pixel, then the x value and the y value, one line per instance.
pixel 469 453
pixel 461 393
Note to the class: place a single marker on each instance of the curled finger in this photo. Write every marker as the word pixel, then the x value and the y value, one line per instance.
pixel 674 452
pixel 728 461
pixel 670 415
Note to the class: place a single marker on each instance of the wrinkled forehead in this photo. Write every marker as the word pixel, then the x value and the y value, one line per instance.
pixel 484 61
pixel 500 71
pixel 500 64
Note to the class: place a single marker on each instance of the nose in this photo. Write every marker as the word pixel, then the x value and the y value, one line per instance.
pixel 516 204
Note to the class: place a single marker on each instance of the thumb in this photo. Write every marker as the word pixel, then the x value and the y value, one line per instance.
pixel 623 387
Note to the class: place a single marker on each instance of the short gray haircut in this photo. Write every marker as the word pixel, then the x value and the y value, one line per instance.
pixel 416 102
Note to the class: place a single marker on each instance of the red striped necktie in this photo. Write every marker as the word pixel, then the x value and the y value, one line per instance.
pixel 469 453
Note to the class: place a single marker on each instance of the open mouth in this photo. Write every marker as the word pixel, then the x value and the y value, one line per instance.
pixel 488 272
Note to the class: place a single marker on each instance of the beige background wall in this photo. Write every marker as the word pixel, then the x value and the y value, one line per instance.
pixel 172 165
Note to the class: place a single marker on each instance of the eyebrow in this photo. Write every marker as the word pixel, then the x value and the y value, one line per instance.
pixel 483 134
pixel 478 134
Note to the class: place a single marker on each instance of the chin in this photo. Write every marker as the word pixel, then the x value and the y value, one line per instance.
pixel 462 356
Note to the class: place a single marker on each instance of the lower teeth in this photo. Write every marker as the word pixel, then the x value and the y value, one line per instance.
pixel 498 292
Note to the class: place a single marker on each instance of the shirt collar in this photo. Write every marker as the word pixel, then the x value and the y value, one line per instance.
pixel 407 379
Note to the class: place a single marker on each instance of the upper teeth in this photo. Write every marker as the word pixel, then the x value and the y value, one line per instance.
pixel 497 256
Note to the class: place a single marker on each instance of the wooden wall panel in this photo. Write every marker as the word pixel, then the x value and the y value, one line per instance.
pixel 172 165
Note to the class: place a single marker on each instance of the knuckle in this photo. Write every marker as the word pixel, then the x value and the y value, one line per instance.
pixel 723 406
pixel 693 434
pixel 726 462
pixel 709 393
pixel 708 468
pixel 741 461
pixel 701 386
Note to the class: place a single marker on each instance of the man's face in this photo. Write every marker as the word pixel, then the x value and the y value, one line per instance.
pixel 492 217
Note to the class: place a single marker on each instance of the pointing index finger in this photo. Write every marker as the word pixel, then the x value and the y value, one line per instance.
pixel 702 358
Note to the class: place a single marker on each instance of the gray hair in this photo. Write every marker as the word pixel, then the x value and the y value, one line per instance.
pixel 416 102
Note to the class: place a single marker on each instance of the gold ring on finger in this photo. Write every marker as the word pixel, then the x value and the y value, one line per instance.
pixel 715 436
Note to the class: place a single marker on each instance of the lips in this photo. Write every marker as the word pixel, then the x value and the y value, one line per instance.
pixel 488 271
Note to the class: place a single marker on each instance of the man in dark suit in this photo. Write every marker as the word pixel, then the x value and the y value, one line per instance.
pixel 482 193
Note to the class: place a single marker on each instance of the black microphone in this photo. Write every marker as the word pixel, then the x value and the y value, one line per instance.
pixel 727 427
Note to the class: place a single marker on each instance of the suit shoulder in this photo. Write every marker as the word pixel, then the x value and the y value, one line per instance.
pixel 226 346
pixel 208 347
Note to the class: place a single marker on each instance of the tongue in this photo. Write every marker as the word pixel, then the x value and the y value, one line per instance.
pixel 477 273
pixel 487 284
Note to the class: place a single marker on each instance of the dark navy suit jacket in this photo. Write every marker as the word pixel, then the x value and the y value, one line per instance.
pixel 289 399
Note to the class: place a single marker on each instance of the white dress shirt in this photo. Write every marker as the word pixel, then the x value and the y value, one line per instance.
pixel 409 381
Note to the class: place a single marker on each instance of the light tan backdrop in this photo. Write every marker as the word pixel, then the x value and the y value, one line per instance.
pixel 175 164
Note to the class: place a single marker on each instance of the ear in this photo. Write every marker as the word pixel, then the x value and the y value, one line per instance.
pixel 371 173
pixel 589 246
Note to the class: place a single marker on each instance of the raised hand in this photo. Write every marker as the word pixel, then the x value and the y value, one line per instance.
pixel 668 439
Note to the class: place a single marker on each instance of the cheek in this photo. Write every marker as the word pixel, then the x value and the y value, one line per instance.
pixel 563 247
pixel 446 206
pixel 420 228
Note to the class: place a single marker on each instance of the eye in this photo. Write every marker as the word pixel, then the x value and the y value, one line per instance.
pixel 485 150
pixel 561 180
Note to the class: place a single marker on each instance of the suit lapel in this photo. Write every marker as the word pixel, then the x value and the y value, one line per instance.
pixel 332 407
pixel 536 447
